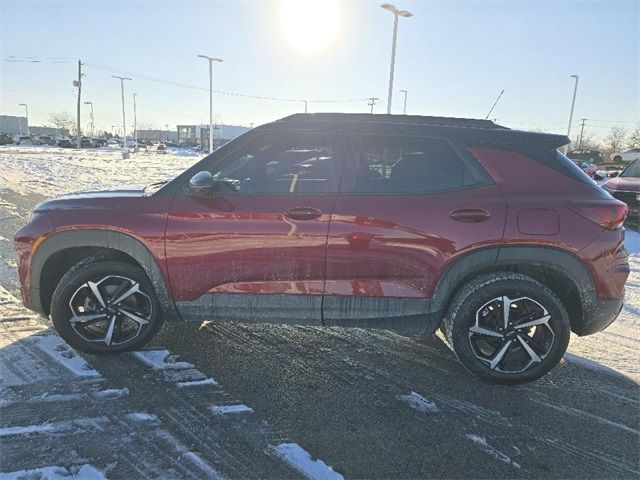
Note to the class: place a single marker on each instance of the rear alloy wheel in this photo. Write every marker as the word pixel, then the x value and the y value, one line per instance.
pixel 105 306
pixel 507 328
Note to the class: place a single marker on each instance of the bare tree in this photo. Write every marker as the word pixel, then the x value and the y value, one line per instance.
pixel 634 138
pixel 64 122
pixel 615 139
pixel 589 142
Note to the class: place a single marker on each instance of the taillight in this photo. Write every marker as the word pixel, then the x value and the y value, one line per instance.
pixel 609 214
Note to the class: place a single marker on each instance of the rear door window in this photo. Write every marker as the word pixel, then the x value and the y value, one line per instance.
pixel 409 165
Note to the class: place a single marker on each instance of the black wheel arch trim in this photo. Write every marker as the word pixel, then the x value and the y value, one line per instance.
pixel 108 239
pixel 506 256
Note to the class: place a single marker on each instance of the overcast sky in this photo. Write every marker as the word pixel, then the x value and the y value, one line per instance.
pixel 454 57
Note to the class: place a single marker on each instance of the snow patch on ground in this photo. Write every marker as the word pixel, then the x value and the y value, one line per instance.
pixel 80 472
pixel 161 359
pixel 62 353
pixel 418 402
pixel 298 458
pixel 230 409
pixel 595 366
pixel 52 171
pixel 56 427
pixel 141 417
pixel 196 383
pixel 491 451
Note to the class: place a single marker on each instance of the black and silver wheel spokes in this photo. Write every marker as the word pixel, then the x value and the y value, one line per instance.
pixel 111 311
pixel 511 334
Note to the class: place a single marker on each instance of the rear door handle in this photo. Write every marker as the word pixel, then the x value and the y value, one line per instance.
pixel 303 213
pixel 470 215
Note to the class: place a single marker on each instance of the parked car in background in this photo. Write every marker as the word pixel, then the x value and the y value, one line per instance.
pixel 626 156
pixel 588 168
pixel 45 140
pixel 99 142
pixel 65 143
pixel 386 221
pixel 626 188
pixel 25 140
pixel 131 143
pixel 5 139
pixel 592 156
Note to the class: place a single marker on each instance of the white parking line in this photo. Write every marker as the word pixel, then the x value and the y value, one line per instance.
pixel 161 359
pixel 298 458
pixel 62 353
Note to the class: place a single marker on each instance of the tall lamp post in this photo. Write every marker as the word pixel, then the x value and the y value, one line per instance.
pixel 404 108
pixel 125 153
pixel 211 60
pixel 93 126
pixel 573 104
pixel 26 113
pixel 396 13
pixel 135 122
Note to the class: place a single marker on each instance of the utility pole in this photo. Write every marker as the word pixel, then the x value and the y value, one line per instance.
pixel 306 106
pixel 573 104
pixel 135 121
pixel 581 132
pixel 78 83
pixel 125 152
pixel 404 108
pixel 372 102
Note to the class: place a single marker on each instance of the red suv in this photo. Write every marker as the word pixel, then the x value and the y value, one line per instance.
pixel 400 222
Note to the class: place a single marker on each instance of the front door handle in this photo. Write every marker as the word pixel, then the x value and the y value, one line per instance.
pixel 303 213
pixel 470 215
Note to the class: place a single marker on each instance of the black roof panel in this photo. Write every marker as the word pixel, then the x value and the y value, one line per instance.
pixel 469 130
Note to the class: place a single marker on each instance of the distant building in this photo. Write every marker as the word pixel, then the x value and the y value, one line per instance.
pixel 13 125
pixel 158 135
pixel 199 134
pixel 39 131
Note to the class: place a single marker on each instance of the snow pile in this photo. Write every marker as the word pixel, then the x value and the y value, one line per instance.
pixel 52 171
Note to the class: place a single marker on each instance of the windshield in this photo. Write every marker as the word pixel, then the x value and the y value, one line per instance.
pixel 633 170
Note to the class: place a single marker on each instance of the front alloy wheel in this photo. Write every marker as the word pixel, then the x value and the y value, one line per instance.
pixel 105 306
pixel 112 310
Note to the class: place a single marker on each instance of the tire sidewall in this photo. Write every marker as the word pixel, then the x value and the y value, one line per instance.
pixel 462 314
pixel 79 275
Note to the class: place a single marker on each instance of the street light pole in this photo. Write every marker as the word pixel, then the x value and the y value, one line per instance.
pixel 93 126
pixel 573 104
pixel 125 153
pixel 211 60
pixel 404 108
pixel 26 113
pixel 135 121
pixel 396 13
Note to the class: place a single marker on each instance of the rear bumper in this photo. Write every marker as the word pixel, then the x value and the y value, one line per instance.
pixel 597 315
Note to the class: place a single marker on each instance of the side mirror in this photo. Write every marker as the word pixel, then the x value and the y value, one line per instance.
pixel 201 184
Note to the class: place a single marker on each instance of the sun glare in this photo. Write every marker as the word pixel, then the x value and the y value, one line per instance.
pixel 310 25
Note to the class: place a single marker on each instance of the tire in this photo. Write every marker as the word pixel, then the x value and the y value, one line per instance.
pixel 504 355
pixel 85 324
pixel 617 159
